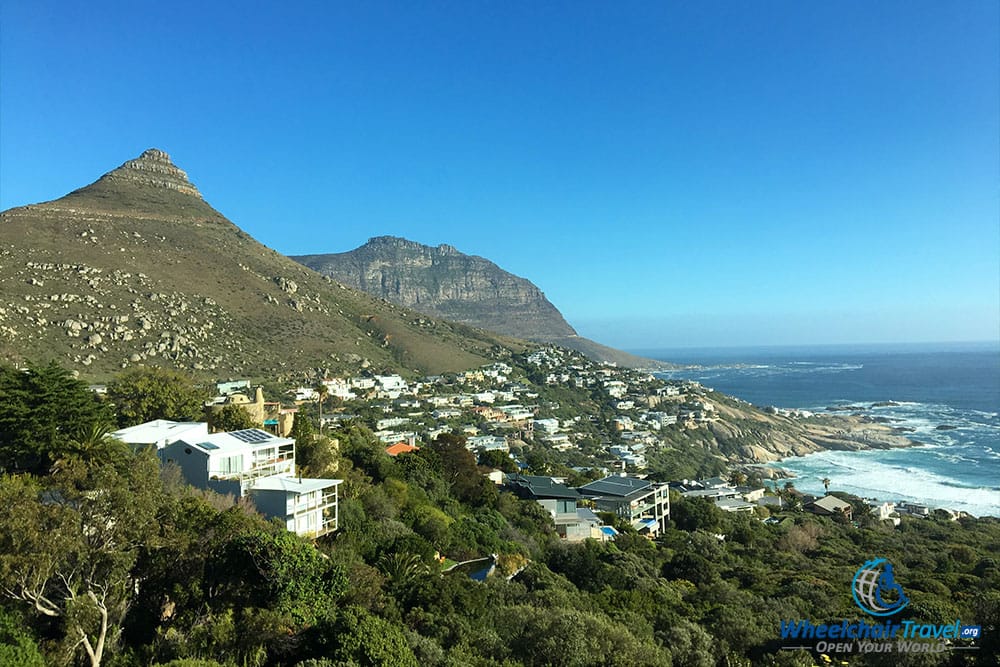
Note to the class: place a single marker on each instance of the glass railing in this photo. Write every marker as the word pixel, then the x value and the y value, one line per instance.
pixel 321 502
pixel 642 508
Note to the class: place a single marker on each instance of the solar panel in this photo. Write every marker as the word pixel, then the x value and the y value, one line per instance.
pixel 251 435
pixel 207 445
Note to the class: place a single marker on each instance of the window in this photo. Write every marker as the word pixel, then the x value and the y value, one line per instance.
pixel 231 464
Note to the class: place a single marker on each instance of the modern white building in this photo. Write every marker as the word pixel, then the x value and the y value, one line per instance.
pixel 307 506
pixel 487 443
pixel 259 464
pixel 230 463
pixel 644 504
pixel 390 386
pixel 548 425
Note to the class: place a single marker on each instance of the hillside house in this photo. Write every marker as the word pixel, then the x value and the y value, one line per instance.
pixel 232 386
pixel 830 506
pixel 734 505
pixel 390 386
pixel 572 523
pixel 229 463
pixel 254 407
pixel 884 511
pixel 487 443
pixel 255 463
pixel 644 504
pixel 339 388
pixel 546 425
pixel 308 506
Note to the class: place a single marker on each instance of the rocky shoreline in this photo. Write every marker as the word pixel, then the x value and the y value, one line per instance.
pixel 767 437
pixel 837 433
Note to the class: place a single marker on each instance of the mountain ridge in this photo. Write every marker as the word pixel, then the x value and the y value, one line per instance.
pixel 138 269
pixel 470 289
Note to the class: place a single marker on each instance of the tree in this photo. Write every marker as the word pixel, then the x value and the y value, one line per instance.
pixel 321 391
pixel 302 430
pixel 280 571
pixel 232 417
pixel 458 466
pixel 692 514
pixel 17 647
pixel 145 394
pixel 357 637
pixel 498 459
pixel 70 546
pixel 826 484
pixel 43 411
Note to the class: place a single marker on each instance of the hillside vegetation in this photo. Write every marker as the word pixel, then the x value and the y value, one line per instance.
pixel 108 561
pixel 137 268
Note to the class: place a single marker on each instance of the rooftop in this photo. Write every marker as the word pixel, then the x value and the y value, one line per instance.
pixel 239 441
pixel 294 484
pixel 400 448
pixel 540 487
pixel 832 504
pixel 156 431
pixel 621 487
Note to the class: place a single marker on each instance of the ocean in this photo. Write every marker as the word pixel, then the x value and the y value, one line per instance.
pixel 947 396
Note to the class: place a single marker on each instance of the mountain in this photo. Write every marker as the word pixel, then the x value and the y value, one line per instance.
pixel 464 288
pixel 137 268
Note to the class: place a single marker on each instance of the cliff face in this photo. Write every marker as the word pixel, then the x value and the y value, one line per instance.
pixel 442 281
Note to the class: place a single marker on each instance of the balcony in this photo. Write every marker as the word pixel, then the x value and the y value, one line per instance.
pixel 274 466
pixel 314 502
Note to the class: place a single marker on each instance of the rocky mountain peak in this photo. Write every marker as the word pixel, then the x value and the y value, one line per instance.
pixel 445 249
pixel 444 282
pixel 153 169
pixel 380 243
pixel 377 242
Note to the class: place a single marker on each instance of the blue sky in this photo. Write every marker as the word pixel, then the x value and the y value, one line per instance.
pixel 670 174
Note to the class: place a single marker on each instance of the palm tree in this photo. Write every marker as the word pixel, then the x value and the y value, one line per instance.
pixel 321 391
pixel 401 568
pixel 92 443
pixel 826 484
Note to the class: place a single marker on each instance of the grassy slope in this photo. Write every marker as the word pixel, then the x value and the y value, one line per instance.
pixel 203 280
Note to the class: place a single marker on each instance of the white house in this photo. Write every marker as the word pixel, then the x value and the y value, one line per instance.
pixel 549 425
pixel 340 388
pixel 230 463
pixel 390 386
pixel 616 388
pixel 362 383
pixel 307 506
pixel 259 464
pixel 487 443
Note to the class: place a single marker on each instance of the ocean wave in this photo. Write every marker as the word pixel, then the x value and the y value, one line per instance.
pixel 869 474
